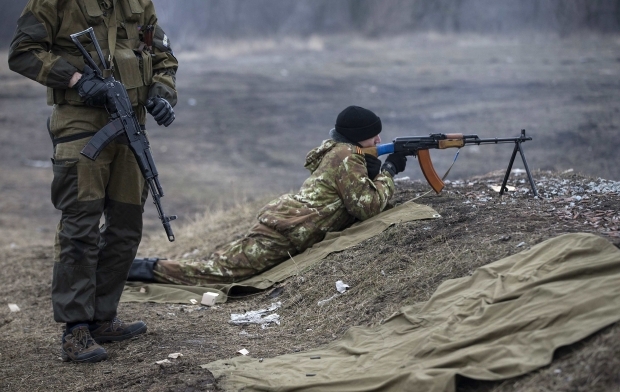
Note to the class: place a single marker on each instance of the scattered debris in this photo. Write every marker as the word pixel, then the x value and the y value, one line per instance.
pixel 209 299
pixel 162 361
pixel 520 244
pixel 175 355
pixel 498 188
pixel 143 289
pixel 341 286
pixel 324 301
pixel 243 351
pixel 257 316
pixel 276 292
pixel 193 301
pixel 14 308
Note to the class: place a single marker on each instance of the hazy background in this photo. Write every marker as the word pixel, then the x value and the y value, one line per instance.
pixel 261 82
pixel 187 19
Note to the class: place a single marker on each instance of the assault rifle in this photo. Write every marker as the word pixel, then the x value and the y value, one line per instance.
pixel 419 146
pixel 123 120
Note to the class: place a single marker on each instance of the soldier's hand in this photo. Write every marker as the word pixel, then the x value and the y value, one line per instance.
pixel 161 110
pixel 395 163
pixel 373 165
pixel 91 88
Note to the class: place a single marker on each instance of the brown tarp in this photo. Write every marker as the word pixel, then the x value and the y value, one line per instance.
pixel 333 242
pixel 503 321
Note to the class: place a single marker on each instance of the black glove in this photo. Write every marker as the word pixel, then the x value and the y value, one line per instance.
pixel 373 165
pixel 161 110
pixel 91 88
pixel 395 163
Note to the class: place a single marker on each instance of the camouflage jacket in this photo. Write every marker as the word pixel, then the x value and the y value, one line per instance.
pixel 42 49
pixel 336 194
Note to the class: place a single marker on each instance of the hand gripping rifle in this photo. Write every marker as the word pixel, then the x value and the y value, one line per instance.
pixel 123 120
pixel 419 146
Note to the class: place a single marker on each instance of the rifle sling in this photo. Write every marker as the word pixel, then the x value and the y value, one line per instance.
pixel 70 138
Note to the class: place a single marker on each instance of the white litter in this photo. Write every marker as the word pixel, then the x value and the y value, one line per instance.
pixel 257 316
pixel 209 299
pixel 193 301
pixel 341 286
pixel 175 355
pixel 243 351
pixel 14 308
pixel 324 301
pixel 162 361
pixel 498 188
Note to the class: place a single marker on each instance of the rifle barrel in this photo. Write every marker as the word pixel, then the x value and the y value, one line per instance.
pixel 496 140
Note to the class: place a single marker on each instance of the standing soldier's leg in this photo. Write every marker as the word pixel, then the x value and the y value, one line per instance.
pixel 119 241
pixel 78 191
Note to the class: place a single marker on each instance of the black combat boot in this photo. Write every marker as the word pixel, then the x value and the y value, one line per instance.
pixel 79 346
pixel 115 330
pixel 141 269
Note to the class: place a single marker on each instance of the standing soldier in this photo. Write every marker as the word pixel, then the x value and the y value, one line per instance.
pixel 91 263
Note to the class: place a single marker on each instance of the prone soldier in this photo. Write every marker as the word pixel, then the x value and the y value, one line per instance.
pixel 344 185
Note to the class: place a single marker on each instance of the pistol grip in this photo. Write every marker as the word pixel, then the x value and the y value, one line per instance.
pixel 426 165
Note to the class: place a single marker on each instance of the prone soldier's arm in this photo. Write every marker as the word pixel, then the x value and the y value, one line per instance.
pixel 29 54
pixel 362 197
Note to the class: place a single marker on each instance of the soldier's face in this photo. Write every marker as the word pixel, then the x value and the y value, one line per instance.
pixel 373 141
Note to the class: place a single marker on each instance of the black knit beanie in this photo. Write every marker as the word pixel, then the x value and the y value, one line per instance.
pixel 357 124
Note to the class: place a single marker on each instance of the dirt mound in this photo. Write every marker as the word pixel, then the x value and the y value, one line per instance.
pixel 401 266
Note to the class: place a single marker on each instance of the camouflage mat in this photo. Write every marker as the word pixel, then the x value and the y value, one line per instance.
pixel 505 320
pixel 333 242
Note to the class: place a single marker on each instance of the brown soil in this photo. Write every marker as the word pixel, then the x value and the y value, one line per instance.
pixel 258 109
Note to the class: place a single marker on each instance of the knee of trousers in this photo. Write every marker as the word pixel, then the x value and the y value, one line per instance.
pixel 77 235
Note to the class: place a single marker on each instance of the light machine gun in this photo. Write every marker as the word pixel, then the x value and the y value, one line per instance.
pixel 419 146
pixel 123 120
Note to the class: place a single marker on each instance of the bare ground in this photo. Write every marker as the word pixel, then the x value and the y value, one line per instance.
pixel 248 113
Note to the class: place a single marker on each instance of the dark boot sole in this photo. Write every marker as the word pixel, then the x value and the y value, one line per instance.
pixel 97 358
pixel 107 339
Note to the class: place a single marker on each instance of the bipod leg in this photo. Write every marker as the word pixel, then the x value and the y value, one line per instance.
pixel 527 170
pixel 512 160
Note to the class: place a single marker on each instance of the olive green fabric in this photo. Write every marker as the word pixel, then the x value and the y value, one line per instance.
pixel 333 242
pixel 503 321
pixel 166 293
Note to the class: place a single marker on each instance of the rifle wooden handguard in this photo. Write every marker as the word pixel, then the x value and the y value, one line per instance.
pixel 451 140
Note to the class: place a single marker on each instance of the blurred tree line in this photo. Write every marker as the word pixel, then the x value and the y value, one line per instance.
pixel 186 19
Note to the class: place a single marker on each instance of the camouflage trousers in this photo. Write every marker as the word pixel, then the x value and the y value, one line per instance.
pixel 261 249
pixel 91 262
